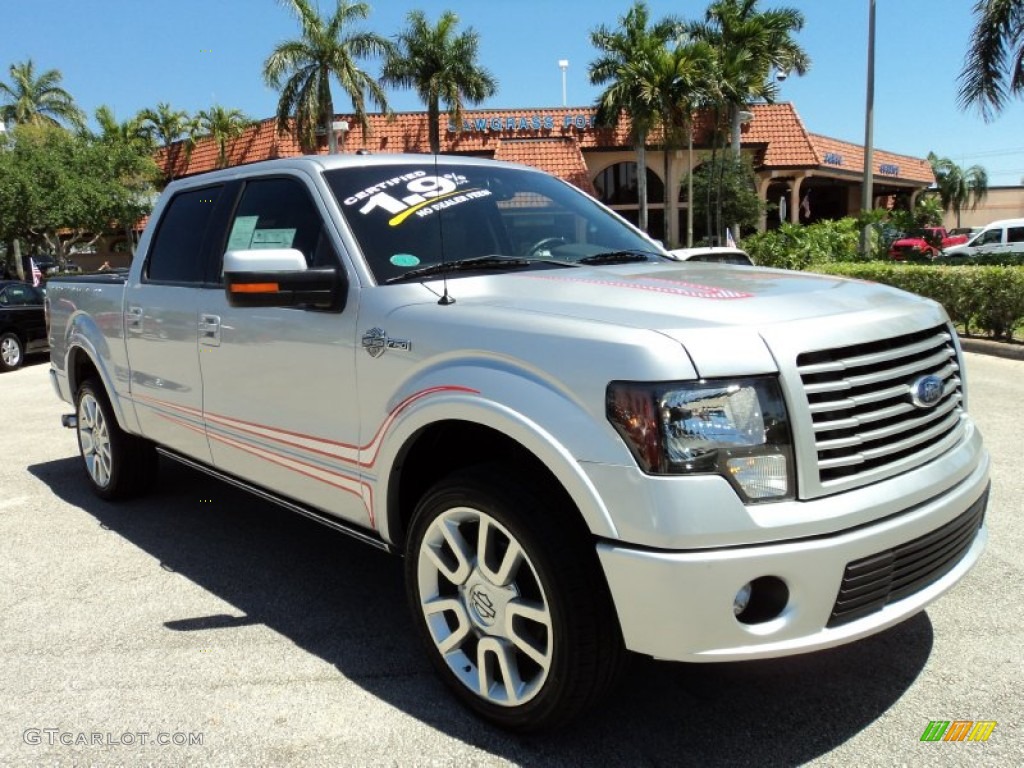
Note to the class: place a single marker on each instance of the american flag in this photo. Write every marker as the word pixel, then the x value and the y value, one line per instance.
pixel 37 275
pixel 730 242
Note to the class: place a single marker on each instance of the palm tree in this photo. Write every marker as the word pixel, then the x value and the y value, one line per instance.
pixel 301 69
pixel 38 100
pixel 994 67
pixel 677 79
pixel 167 126
pixel 223 126
pixel 130 133
pixel 753 43
pixel 958 187
pixel 441 66
pixel 625 66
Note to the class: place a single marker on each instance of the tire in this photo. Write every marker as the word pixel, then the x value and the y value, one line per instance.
pixel 12 352
pixel 117 464
pixel 509 599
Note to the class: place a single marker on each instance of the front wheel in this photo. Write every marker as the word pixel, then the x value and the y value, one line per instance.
pixel 508 596
pixel 12 352
pixel 117 464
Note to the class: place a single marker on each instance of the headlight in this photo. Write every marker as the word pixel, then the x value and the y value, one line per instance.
pixel 737 428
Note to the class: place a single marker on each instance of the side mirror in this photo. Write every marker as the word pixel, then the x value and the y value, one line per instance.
pixel 279 277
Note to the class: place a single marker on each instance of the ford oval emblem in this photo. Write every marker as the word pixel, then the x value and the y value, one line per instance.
pixel 926 391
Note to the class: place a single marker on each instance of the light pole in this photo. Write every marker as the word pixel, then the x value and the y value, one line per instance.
pixel 563 64
pixel 867 192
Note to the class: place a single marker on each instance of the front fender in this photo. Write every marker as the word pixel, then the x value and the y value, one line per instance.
pixel 552 426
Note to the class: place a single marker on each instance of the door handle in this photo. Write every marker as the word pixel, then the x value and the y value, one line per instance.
pixel 133 319
pixel 209 330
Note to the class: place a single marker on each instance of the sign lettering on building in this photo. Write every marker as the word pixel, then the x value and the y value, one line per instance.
pixel 888 169
pixel 507 123
pixel 833 158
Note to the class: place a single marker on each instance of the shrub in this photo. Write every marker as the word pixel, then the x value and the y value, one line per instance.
pixel 793 246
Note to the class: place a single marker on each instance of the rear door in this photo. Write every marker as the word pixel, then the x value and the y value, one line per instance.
pixel 279 386
pixel 161 320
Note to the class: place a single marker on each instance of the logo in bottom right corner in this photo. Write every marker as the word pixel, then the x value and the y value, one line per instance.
pixel 959 730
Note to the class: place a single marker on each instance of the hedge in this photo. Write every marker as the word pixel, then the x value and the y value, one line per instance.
pixel 990 299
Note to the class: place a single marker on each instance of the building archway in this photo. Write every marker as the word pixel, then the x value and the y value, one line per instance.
pixel 617 187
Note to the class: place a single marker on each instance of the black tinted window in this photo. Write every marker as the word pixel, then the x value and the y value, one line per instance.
pixel 20 296
pixel 279 213
pixel 1015 235
pixel 176 255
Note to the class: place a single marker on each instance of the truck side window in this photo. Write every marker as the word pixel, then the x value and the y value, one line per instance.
pixel 176 255
pixel 279 213
pixel 1015 234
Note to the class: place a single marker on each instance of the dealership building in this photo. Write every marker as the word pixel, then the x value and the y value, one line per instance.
pixel 805 176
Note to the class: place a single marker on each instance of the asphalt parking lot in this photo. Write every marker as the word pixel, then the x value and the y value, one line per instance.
pixel 243 635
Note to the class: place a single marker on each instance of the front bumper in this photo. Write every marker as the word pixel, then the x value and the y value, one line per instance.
pixel 678 605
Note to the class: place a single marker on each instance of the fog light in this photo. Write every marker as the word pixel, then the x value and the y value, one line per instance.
pixel 739 603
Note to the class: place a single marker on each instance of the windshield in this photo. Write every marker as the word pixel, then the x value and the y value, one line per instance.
pixel 410 216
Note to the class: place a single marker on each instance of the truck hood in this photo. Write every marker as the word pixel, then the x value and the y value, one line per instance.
pixel 693 296
pixel 706 307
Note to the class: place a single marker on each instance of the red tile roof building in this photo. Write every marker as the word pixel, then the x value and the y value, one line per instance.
pixel 817 176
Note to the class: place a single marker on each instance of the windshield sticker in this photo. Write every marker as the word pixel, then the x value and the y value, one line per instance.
pixel 675 287
pixel 415 193
pixel 404 260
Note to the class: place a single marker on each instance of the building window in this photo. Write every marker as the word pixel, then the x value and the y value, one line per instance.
pixel 617 185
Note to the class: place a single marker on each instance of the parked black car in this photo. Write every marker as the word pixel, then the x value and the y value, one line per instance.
pixel 22 323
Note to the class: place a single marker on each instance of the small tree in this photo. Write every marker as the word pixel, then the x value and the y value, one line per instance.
pixel 738 202
pixel 59 189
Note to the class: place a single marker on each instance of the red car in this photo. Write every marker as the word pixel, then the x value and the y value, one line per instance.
pixel 924 243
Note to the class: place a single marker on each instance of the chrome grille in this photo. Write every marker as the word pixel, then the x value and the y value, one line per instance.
pixel 865 422
pixel 871 583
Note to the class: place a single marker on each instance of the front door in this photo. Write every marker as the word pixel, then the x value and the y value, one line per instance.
pixel 279 383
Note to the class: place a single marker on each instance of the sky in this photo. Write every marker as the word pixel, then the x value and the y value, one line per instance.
pixel 131 54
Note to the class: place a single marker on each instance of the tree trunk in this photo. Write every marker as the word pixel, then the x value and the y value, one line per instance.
pixel 736 151
pixel 668 194
pixel 641 178
pixel 689 186
pixel 434 125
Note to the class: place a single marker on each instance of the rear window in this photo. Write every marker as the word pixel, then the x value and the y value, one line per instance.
pixel 176 255
pixel 414 215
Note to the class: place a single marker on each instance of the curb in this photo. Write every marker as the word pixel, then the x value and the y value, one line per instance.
pixel 992 348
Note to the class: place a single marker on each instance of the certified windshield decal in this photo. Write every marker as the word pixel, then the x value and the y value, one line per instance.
pixel 661 285
pixel 416 193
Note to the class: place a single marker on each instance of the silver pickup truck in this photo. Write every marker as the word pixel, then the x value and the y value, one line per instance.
pixel 581 447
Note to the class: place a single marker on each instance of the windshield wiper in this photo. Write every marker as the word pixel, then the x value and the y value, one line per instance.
pixel 619 257
pixel 477 262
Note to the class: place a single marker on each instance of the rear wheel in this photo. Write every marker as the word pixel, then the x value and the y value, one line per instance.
pixel 510 601
pixel 12 352
pixel 117 464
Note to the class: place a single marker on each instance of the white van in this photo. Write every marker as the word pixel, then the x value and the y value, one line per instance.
pixel 1001 238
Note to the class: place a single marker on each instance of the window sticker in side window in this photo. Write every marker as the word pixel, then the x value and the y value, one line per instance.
pixel 273 238
pixel 241 233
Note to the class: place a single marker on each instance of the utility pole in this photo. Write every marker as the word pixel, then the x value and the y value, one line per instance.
pixel 867 192
pixel 563 64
